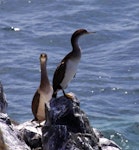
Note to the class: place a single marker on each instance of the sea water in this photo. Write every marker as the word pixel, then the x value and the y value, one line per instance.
pixel 107 80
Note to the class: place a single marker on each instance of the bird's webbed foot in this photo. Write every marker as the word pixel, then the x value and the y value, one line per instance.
pixel 68 95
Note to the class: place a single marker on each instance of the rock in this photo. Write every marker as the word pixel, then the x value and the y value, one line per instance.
pixel 31 134
pixel 9 136
pixel 104 143
pixel 3 101
pixel 66 128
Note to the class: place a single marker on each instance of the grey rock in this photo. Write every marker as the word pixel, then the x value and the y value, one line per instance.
pixel 10 137
pixel 66 128
pixel 31 134
pixel 3 101
pixel 104 143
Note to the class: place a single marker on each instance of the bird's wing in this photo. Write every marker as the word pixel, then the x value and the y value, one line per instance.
pixel 35 103
pixel 59 75
pixel 60 72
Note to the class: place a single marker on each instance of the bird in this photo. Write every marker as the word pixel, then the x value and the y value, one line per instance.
pixel 67 68
pixel 43 94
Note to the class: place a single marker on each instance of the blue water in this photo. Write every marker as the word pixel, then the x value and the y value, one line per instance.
pixel 107 80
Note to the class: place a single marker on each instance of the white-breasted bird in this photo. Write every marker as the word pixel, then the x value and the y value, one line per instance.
pixel 67 68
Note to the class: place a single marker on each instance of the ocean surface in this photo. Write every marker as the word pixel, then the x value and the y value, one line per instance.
pixel 107 80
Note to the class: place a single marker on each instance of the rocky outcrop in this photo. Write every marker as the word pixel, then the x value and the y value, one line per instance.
pixel 66 128
pixel 10 138
pixel 3 101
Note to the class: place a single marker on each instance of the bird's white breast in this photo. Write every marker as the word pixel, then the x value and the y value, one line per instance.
pixel 70 72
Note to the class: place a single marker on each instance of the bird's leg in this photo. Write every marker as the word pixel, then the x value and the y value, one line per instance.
pixel 63 92
pixel 67 95
pixel 54 95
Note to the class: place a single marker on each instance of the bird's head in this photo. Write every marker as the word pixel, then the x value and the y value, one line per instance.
pixel 79 33
pixel 43 57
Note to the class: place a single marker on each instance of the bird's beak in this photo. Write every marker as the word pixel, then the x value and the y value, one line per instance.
pixel 91 32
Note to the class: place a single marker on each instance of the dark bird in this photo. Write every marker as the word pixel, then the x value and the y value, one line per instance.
pixel 43 94
pixel 67 68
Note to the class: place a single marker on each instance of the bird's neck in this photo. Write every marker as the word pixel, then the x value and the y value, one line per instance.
pixel 75 47
pixel 44 77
